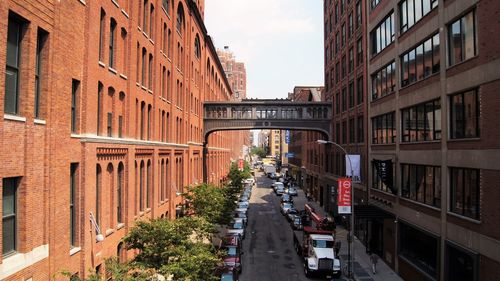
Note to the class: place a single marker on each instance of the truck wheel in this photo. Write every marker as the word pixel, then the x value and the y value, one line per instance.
pixel 306 271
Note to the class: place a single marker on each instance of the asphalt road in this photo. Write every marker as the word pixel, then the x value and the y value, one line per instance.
pixel 268 244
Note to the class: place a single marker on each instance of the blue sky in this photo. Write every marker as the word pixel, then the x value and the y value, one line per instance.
pixel 280 41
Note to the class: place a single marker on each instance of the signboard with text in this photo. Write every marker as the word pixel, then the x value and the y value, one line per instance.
pixel 287 136
pixel 289 155
pixel 344 196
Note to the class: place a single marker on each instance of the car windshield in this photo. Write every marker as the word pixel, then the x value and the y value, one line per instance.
pixel 287 206
pixel 237 225
pixel 231 251
pixel 226 277
pixel 322 244
pixel 296 220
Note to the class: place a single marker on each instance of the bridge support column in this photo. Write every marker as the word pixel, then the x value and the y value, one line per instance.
pixel 205 162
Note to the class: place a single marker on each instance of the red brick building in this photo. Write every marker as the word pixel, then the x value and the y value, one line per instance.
pixel 433 80
pixel 102 105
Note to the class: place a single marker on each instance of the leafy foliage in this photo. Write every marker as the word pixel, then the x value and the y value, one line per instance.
pixel 259 151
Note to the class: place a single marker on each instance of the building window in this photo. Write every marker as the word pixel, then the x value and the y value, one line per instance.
pixel 12 73
pixel 383 35
pixel 384 129
pixel 384 81
pixel 351 130
pixel 143 70
pixel 351 95
pixel 419 248
pixel 9 215
pixel 110 124
pixel 112 43
pixel 420 62
pixel 169 43
pixel 421 183
pixel 351 60
pixel 75 90
pixel 166 6
pixel 359 90
pixel 351 25
pixel 197 48
pixel 180 19
pixel 361 130
pixel 119 195
pixel 421 122
pixel 337 133
pixel 359 49
pixel 73 195
pixel 98 188
pixel 145 16
pixel 344 99
pixel 337 42
pixel 141 187
pixel 464 192
pixel 344 132
pixel 120 126
pixel 40 69
pixel 101 34
pixel 460 264
pixel 343 35
pixel 359 14
pixel 150 72
pixel 411 11
pixel 462 38
pixel 374 3
pixel 344 67
pixel 464 115
pixel 337 103
pixel 151 21
pixel 100 88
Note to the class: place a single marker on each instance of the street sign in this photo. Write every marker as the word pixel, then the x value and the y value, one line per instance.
pixel 287 136
pixel 344 196
pixel 289 155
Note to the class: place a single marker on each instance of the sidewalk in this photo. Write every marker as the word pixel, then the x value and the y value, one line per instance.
pixel 362 265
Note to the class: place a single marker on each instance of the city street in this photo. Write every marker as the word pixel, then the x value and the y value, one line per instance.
pixel 268 247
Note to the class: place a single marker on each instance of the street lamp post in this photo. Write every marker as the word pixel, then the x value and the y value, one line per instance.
pixel 350 238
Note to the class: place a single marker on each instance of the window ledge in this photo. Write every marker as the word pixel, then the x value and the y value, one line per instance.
pixel 462 62
pixel 74 250
pixel 419 142
pixel 478 222
pixel 165 55
pixel 112 70
pixel 144 88
pixel 125 14
pixel 73 135
pixel 137 84
pixel 464 139
pixel 102 64
pixel 40 122
pixel 83 2
pixel 109 232
pixel 123 76
pixel 116 3
pixel 150 91
pixel 420 203
pixel 151 40
pixel 14 118
pixel 139 28
pixel 384 192
pixel 144 33
pixel 17 262
pixel 120 226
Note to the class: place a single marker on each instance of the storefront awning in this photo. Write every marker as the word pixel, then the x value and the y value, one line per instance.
pixel 371 212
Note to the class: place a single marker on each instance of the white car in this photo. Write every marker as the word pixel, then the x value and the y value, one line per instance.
pixel 243 205
pixel 285 207
pixel 237 226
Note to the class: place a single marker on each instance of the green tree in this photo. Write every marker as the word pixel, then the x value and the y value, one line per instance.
pixel 212 203
pixel 259 151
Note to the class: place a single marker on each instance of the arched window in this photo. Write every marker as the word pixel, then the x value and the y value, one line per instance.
pixel 141 187
pixel 148 185
pixel 197 48
pixel 180 19
pixel 120 200
pixel 110 175
pixel 100 88
pixel 112 42
pixel 98 182
pixel 166 6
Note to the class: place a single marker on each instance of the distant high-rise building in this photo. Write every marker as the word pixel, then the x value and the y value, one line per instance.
pixel 235 72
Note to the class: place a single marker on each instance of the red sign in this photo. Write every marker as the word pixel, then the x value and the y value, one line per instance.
pixel 240 164
pixel 344 196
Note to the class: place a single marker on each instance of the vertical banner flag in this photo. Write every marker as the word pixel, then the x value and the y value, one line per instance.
pixel 287 136
pixel 344 196
pixel 356 167
pixel 384 171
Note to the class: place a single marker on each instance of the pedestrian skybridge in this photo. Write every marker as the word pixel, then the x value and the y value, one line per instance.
pixel 251 114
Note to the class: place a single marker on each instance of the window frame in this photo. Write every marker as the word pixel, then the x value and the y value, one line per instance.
pixel 477 109
pixel 464 171
pixel 14 215
pixel 463 56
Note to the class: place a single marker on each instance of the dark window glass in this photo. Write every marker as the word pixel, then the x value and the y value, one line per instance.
pixel 150 72
pixel 421 183
pixel 112 43
pixel 359 49
pixel 383 81
pixel 9 215
pixel 351 95
pixel 110 124
pixel 144 57
pixel 461 265
pixel 166 6
pixel 351 130
pixel 145 16
pixel 374 3
pixel 344 132
pixel 351 59
pixel 180 19
pixel 100 88
pixel 359 90
pixel 359 14
pixel 421 122
pixel 120 126
pixel 73 204
pixel 75 89
pixel 420 62
pixel 464 115
pixel 98 189
pixel 361 130
pixel 383 129
pixel 197 50
pixel 101 34
pixel 464 192
pixel 382 35
pixel 419 248
pixel 462 39
pixel 11 103
pixel 39 69
pixel 151 21
pixel 119 195
pixel 411 11
pixel 344 99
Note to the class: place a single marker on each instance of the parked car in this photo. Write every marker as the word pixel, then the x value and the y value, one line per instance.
pixel 241 215
pixel 285 207
pixel 292 191
pixel 241 210
pixel 291 213
pixel 231 240
pixel 243 205
pixel 237 226
pixel 296 223
pixel 286 198
pixel 233 257
pixel 228 274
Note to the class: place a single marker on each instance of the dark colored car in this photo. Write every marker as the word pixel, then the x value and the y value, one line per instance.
pixel 228 274
pixel 296 222
pixel 291 213
pixel 233 258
